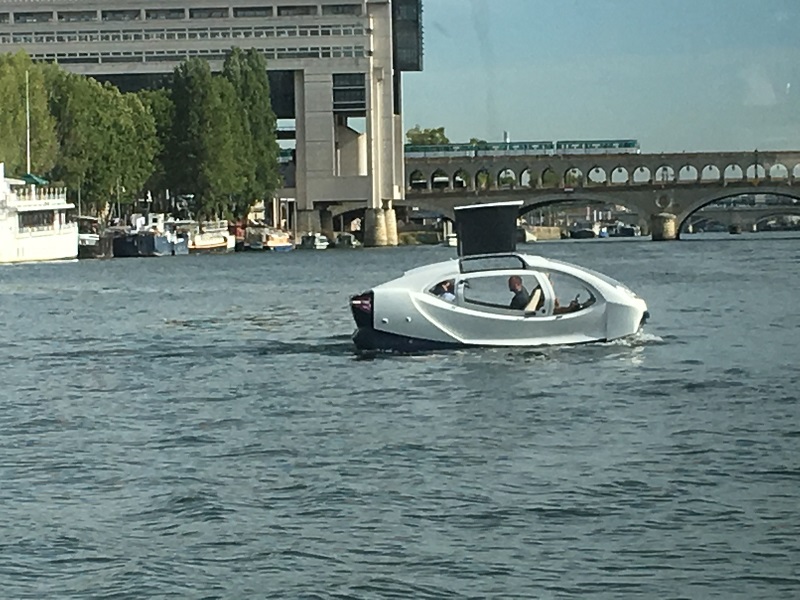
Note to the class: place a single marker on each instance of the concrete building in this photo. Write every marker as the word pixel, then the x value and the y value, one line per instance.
pixel 330 61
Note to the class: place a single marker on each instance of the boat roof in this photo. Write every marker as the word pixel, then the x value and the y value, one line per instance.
pixel 489 228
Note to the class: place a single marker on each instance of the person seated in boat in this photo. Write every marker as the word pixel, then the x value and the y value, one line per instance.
pixel 521 296
pixel 444 289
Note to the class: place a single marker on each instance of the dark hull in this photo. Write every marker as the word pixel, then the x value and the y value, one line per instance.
pixel 102 249
pixel 368 339
pixel 134 245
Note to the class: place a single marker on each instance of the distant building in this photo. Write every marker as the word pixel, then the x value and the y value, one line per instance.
pixel 330 61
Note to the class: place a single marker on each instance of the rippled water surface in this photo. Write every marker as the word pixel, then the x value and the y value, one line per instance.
pixel 199 427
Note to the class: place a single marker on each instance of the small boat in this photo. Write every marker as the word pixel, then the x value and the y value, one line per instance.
pixel 259 237
pixel 735 229
pixel 314 241
pixel 209 237
pixel 93 241
pixel 584 231
pixel 347 240
pixel 450 240
pixel 151 235
pixel 566 305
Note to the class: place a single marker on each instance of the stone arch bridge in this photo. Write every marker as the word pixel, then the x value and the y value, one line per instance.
pixel 678 184
pixel 648 184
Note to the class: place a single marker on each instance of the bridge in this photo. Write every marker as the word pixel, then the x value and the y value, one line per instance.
pixel 747 217
pixel 650 185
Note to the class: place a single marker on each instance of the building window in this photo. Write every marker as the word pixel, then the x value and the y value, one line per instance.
pixel 33 17
pixel 121 15
pixel 341 9
pixel 252 12
pixel 5 17
pixel 165 13
pixel 208 13
pixel 72 16
pixel 306 10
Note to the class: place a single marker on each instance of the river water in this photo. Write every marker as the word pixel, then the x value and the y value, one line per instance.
pixel 199 427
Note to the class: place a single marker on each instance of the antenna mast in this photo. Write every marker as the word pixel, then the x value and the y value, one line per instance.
pixel 28 120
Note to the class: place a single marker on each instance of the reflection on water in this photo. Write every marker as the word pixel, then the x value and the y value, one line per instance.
pixel 201 427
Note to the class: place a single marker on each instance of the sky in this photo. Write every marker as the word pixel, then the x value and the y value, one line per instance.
pixel 678 75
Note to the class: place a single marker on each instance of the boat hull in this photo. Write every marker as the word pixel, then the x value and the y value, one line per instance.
pixel 95 246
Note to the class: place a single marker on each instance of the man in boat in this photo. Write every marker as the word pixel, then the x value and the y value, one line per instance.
pixel 521 296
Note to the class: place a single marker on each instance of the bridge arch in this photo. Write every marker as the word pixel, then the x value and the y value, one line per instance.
pixel 756 171
pixel 461 179
pixel 620 176
pixel 779 171
pixel 440 180
pixel 688 174
pixel 733 172
pixel 506 178
pixel 417 180
pixel 526 179
pixel 597 176
pixel 733 192
pixel 710 173
pixel 549 178
pixel 642 175
pixel 796 172
pixel 573 177
pixel 483 179
pixel 664 174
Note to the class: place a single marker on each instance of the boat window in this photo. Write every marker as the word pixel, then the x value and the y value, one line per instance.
pixel 571 293
pixel 491 263
pixel 494 291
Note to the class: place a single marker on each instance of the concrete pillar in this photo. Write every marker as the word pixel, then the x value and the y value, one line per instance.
pixel 664 227
pixel 326 223
pixel 308 221
pixel 375 227
pixel 390 216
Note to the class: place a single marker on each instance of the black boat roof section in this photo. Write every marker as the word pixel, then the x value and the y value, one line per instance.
pixel 487 228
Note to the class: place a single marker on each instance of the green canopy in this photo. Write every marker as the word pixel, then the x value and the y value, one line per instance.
pixel 32 179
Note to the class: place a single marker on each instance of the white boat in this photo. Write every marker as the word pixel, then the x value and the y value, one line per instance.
pixel 553 302
pixel 314 241
pixel 209 237
pixel 33 223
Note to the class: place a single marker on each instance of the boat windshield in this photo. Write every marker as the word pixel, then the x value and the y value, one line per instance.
pixel 500 262
pixel 601 276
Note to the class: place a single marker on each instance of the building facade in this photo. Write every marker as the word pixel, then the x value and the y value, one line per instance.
pixel 330 61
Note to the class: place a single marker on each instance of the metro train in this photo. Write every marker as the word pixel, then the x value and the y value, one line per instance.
pixel 545 148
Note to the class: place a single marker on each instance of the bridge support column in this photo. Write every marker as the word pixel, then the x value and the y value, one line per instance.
pixel 390 217
pixel 326 224
pixel 375 228
pixel 308 221
pixel 663 227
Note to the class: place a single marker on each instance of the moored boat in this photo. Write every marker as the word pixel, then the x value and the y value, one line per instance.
pixel 93 240
pixel 33 222
pixel 208 237
pixel 314 241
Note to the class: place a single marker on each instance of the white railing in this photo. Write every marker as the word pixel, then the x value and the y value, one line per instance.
pixel 32 194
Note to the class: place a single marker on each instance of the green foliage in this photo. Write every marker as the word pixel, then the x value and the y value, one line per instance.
pixel 209 137
pixel 426 137
pixel 159 104
pixel 247 73
pixel 13 144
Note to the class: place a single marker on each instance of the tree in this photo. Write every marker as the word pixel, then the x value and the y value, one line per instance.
pixel 206 161
pixel 426 137
pixel 159 104
pixel 247 72
pixel 13 121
